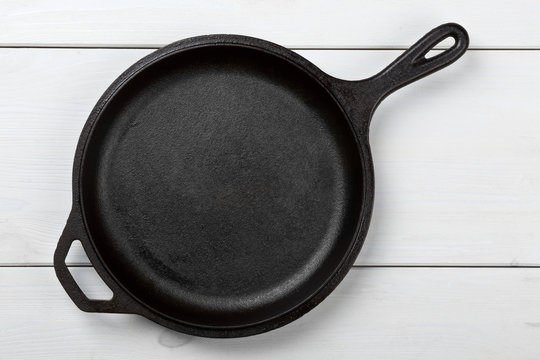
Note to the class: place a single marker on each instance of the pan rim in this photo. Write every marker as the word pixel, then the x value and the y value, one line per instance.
pixel 362 147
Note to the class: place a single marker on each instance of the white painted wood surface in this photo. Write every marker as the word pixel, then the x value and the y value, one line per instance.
pixel 298 23
pixel 456 155
pixel 457 159
pixel 381 313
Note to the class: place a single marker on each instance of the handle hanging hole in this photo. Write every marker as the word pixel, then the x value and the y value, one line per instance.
pixel 443 45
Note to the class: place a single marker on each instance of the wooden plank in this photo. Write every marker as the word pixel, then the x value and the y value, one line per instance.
pixel 456 154
pixel 320 24
pixel 376 313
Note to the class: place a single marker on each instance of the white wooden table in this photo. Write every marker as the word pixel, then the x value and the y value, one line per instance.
pixel 451 266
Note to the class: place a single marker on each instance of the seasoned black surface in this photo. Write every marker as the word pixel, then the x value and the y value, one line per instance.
pixel 223 186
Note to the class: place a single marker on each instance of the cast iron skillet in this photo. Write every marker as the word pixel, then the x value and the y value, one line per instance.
pixel 223 185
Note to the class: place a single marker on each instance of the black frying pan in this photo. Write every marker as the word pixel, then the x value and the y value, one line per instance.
pixel 223 185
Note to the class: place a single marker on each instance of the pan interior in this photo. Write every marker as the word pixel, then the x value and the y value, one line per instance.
pixel 221 186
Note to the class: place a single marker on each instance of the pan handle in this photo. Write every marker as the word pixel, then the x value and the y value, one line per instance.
pixel 413 64
pixel 119 303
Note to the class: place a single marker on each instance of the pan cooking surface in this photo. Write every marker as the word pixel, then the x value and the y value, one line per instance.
pixel 222 186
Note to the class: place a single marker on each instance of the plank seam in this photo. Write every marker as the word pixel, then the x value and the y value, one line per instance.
pixel 449 266
pixel 155 47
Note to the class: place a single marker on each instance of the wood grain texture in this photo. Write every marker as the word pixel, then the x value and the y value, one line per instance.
pixel 457 154
pixel 374 314
pixel 300 23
